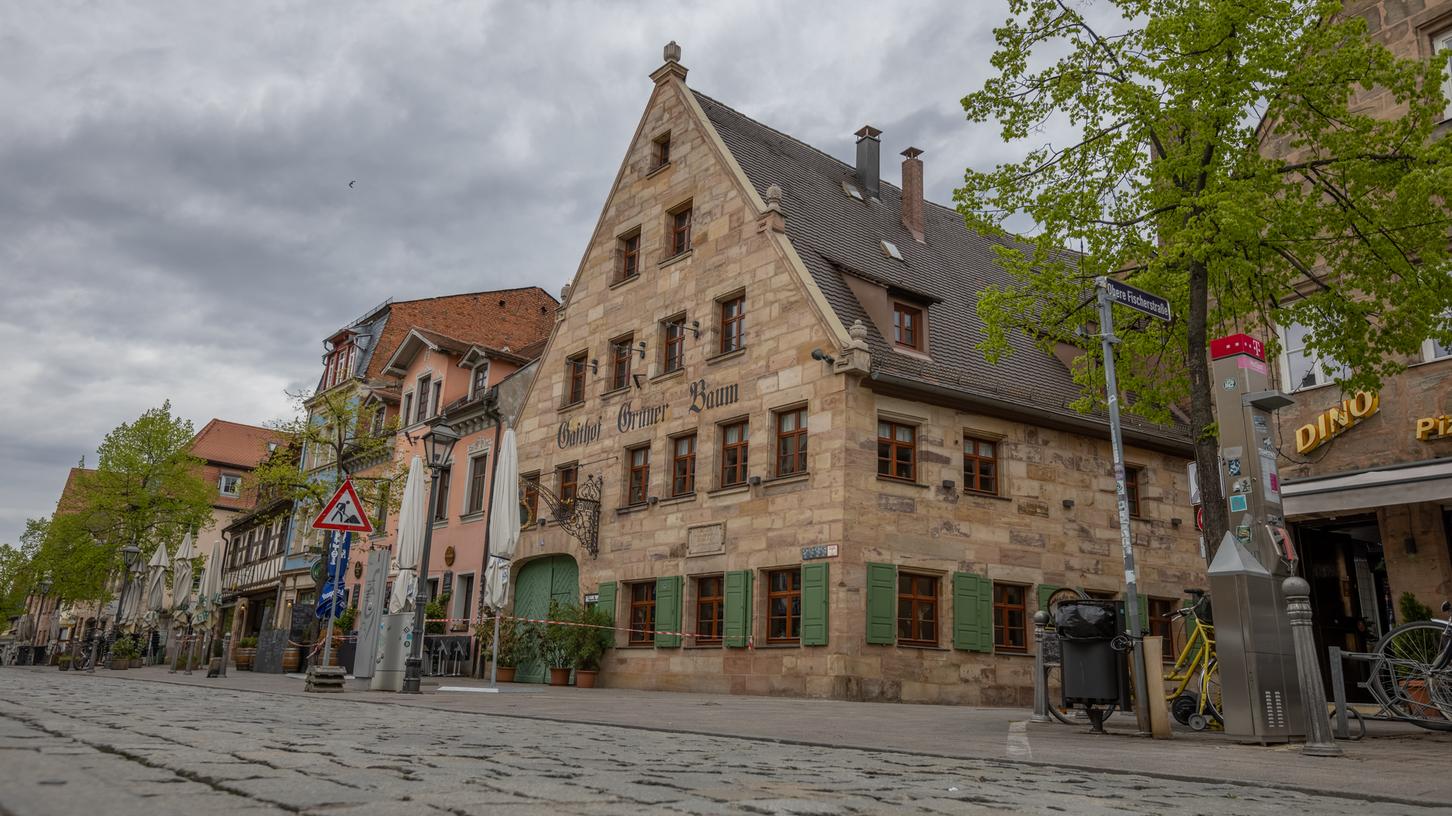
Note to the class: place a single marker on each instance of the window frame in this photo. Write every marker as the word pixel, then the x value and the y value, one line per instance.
pixel 422 389
pixel 733 324
pixel 575 366
pixel 689 476
pixel 406 414
pixel 798 437
pixel 1442 44
pixel 908 319
pixel 475 386
pixel 645 635
pixel 474 501
pixel 660 154
pixel 975 485
pixel 1429 346
pixel 1161 626
pixel 679 233
pixel 622 353
pixel 1313 364
pixel 222 485
pixel 628 250
pixel 742 465
pixel 710 631
pixel 1133 486
pixel 916 600
pixel 440 514
pixel 893 445
pixel 1001 611
pixel 530 496
pixel 637 475
pixel 567 481
pixel 436 397
pixel 673 344
pixel 794 633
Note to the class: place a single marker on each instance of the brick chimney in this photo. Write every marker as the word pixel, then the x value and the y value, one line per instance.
pixel 912 192
pixel 868 150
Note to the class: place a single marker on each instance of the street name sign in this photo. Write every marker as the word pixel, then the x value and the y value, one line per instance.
pixel 1138 299
pixel 344 513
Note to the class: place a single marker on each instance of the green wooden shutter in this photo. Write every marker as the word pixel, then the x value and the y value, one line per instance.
pixel 1143 612
pixel 972 612
pixel 606 603
pixel 881 604
pixel 738 608
pixel 816 595
pixel 1045 590
pixel 668 610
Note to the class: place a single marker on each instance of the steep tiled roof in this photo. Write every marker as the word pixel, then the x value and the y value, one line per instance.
pixel 232 443
pixel 70 494
pixel 512 318
pixel 835 235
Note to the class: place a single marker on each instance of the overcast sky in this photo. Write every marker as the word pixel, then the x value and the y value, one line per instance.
pixel 175 216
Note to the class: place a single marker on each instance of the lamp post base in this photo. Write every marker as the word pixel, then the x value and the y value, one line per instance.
pixel 412 675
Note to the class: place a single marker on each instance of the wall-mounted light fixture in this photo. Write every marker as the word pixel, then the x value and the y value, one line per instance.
pixel 949 484
pixel 818 354
pixel 754 481
pixel 653 500
pixel 1176 521
pixel 1068 504
pixel 642 349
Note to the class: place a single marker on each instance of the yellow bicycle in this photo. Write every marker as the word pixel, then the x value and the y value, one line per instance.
pixel 1195 696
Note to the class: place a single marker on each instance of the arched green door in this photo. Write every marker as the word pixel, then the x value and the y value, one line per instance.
pixel 538 582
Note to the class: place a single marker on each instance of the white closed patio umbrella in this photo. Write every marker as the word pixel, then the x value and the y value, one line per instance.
pixel 411 520
pixel 503 535
pixel 503 522
pixel 210 594
pixel 181 576
pixel 156 580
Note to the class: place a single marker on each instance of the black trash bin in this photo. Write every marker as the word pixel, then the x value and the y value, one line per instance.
pixel 1094 672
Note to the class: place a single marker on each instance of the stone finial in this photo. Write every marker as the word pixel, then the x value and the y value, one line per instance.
pixel 773 197
pixel 564 293
pixel 672 66
pixel 857 331
pixel 672 52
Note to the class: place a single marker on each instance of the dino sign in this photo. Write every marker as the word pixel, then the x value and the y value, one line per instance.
pixel 343 512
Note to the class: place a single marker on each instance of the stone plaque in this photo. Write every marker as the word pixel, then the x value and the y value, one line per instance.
pixel 707 539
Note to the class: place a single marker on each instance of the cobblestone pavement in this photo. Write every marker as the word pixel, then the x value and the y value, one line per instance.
pixel 87 744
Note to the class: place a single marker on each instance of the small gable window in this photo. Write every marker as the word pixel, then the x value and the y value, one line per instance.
pixel 907 326
pixel 662 151
pixel 628 256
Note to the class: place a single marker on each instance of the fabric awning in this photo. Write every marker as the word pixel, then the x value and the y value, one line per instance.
pixel 1369 489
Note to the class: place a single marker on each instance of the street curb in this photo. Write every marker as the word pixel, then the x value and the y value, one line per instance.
pixel 1337 794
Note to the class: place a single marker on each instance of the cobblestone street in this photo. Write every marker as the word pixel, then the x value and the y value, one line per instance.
pixel 96 744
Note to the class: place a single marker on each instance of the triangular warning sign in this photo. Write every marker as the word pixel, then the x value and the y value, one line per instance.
pixel 343 512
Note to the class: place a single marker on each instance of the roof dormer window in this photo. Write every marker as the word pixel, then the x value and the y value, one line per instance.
pixel 908 328
pixel 479 383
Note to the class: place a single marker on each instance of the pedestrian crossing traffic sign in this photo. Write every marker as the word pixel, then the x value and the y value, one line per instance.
pixel 343 512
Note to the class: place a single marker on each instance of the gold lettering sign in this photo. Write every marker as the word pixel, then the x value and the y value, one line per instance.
pixel 1333 422
pixel 1434 427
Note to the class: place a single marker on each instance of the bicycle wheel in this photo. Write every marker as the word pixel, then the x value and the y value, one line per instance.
pixel 1053 677
pixel 1210 684
pixel 1403 682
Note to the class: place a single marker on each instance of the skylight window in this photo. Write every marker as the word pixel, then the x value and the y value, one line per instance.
pixel 890 250
pixel 852 192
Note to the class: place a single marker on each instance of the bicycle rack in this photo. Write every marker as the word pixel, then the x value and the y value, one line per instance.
pixel 1344 713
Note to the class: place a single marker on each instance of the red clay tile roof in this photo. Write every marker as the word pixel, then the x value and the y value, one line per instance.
pixel 513 318
pixel 232 443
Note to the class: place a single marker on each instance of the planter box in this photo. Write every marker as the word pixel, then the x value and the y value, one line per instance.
pixel 119 663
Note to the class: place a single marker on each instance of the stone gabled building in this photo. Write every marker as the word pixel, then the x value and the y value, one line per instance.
pixel 811 482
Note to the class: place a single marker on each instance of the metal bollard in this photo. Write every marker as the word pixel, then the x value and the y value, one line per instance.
pixel 1041 687
pixel 1319 741
pixel 226 643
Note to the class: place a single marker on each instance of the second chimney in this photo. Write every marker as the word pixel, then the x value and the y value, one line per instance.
pixel 912 192
pixel 868 148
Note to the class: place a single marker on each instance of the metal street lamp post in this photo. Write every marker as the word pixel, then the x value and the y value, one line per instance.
pixel 43 587
pixel 438 447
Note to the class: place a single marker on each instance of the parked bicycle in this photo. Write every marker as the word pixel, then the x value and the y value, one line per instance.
pixel 1411 676
pixel 1195 698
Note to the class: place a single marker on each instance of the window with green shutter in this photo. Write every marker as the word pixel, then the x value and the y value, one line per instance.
pixel 816 595
pixel 1045 590
pixel 972 612
pixel 738 608
pixel 606 601
pixel 668 611
pixel 881 604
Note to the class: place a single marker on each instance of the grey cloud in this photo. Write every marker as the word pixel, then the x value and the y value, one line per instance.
pixel 176 222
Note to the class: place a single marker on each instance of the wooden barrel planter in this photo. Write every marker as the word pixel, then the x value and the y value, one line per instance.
pixel 290 659
pixel 245 655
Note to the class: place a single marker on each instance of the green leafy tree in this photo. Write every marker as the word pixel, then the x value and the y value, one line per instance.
pixel 332 436
pixel 17 570
pixel 147 490
pixel 1167 182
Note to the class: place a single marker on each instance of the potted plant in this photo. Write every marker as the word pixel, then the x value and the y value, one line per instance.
pixel 558 641
pixel 516 645
pixel 434 612
pixel 122 651
pixel 64 662
pixel 246 652
pixel 589 641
